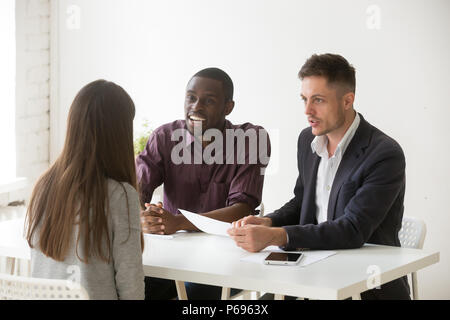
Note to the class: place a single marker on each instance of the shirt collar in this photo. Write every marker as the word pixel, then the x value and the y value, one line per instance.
pixel 319 143
pixel 190 137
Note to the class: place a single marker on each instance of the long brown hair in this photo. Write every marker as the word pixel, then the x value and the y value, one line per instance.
pixel 74 190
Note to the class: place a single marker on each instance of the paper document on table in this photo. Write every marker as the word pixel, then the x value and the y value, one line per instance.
pixel 310 257
pixel 206 224
pixel 164 236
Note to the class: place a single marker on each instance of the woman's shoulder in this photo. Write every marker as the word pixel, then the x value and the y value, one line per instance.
pixel 117 191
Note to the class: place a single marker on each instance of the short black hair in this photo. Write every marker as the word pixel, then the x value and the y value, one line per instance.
pixel 219 75
pixel 333 67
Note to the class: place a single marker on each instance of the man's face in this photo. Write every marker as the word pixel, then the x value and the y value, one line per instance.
pixel 205 104
pixel 323 106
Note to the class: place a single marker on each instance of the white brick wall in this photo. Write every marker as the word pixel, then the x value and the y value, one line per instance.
pixel 33 90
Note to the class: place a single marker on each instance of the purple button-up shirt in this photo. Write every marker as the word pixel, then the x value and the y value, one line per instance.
pixel 202 187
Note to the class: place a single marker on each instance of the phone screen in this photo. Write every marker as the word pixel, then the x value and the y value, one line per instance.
pixel 283 256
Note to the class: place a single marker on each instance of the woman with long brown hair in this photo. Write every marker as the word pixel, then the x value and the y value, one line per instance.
pixel 83 217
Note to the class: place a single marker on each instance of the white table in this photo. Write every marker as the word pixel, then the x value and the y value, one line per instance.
pixel 215 260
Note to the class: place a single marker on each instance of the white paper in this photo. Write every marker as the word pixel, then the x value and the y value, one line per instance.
pixel 165 236
pixel 310 257
pixel 206 224
pixel 158 236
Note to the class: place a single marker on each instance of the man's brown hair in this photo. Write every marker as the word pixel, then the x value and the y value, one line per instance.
pixel 333 67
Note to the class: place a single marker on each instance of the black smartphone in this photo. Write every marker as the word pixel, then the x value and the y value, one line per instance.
pixel 283 258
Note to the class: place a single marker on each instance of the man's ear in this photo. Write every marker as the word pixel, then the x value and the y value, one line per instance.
pixel 348 99
pixel 229 105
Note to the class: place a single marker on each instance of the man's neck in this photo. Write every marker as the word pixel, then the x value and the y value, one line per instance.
pixel 205 143
pixel 336 136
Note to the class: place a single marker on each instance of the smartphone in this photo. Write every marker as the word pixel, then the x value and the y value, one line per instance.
pixel 283 258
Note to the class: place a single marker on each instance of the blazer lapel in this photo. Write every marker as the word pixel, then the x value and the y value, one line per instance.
pixel 350 159
pixel 308 215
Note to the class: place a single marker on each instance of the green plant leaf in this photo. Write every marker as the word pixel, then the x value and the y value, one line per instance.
pixel 141 140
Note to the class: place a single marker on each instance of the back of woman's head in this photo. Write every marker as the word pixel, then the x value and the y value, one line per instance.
pixel 100 131
pixel 98 146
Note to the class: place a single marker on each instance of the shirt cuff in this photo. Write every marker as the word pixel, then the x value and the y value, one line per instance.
pixel 242 198
pixel 286 247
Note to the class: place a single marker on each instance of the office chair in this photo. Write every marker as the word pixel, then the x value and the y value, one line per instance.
pixel 412 235
pixel 26 288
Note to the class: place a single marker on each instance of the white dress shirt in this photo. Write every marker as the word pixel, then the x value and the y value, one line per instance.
pixel 329 166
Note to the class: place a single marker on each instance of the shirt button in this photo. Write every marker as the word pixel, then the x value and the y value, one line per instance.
pixel 328 188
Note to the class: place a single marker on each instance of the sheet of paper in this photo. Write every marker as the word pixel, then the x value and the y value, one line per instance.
pixel 164 236
pixel 310 257
pixel 206 224
pixel 159 236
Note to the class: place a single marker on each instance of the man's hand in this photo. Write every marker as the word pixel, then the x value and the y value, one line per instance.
pixel 254 238
pixel 157 220
pixel 252 220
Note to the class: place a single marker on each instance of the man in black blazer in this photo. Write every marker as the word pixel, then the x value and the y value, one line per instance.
pixel 351 178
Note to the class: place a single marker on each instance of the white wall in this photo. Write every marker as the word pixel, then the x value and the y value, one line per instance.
pixel 151 48
pixel 7 90
pixel 32 91
pixel 32 120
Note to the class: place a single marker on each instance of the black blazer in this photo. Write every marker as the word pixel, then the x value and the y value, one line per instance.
pixel 365 205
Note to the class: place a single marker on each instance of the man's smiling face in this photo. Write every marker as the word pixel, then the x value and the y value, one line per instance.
pixel 205 104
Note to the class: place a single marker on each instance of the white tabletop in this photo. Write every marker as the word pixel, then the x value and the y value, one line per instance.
pixel 215 260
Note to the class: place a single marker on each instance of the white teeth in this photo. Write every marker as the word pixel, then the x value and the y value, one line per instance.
pixel 196 118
